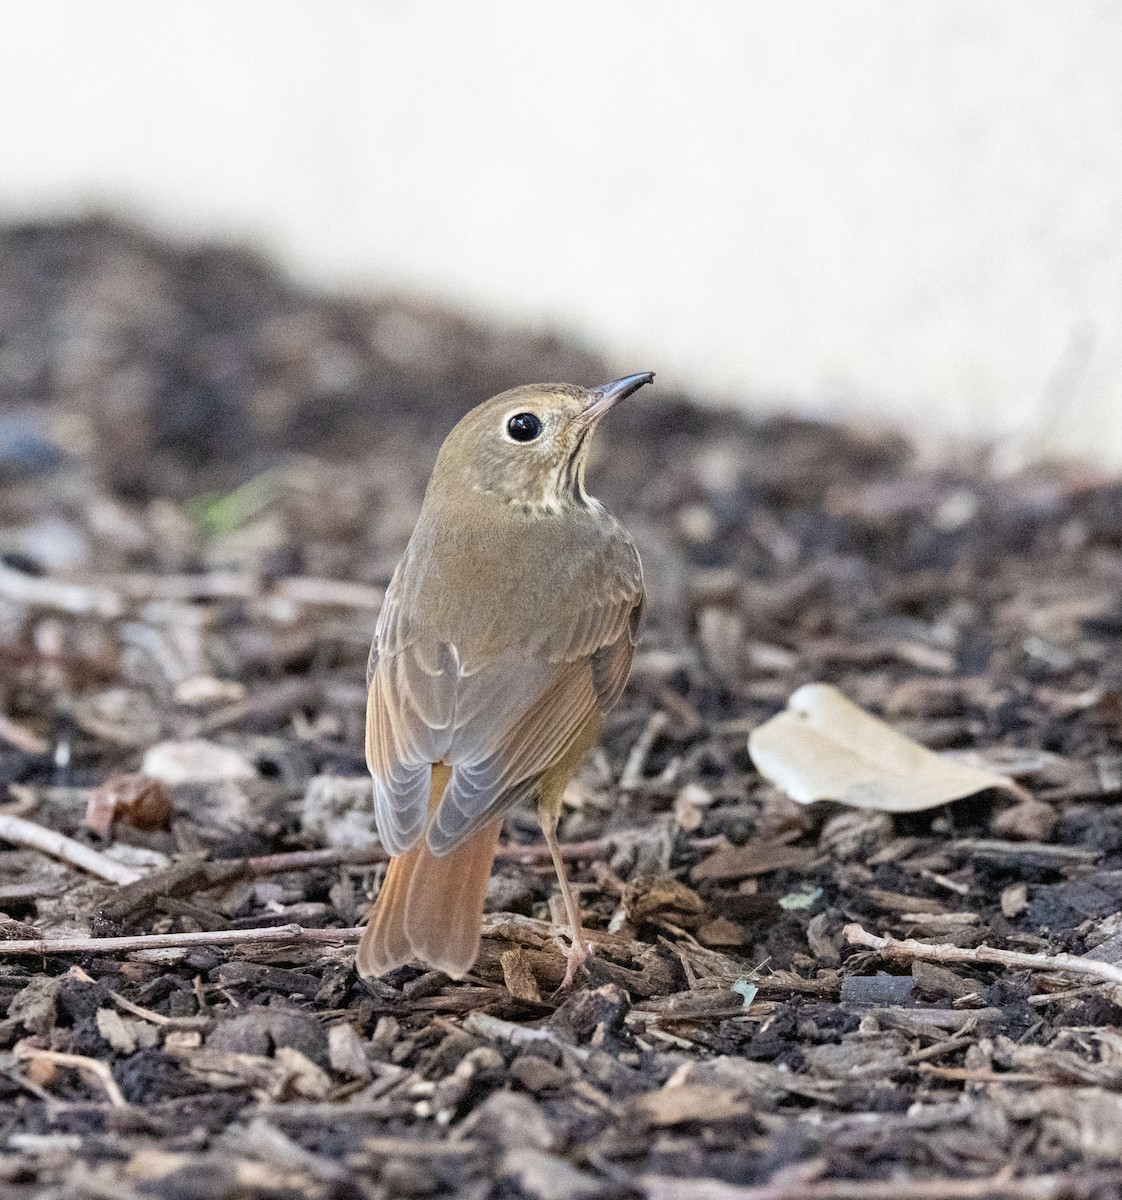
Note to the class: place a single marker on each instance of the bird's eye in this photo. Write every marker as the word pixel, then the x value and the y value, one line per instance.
pixel 524 427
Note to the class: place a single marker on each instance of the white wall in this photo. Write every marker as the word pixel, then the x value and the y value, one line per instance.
pixel 906 209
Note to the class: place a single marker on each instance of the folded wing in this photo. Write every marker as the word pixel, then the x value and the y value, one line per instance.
pixel 499 724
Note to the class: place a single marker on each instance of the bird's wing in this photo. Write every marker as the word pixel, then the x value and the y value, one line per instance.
pixel 586 667
pixel 611 663
pixel 408 727
pixel 421 705
pixel 419 697
pixel 499 725
pixel 411 695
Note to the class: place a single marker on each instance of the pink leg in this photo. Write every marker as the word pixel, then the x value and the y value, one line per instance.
pixel 579 950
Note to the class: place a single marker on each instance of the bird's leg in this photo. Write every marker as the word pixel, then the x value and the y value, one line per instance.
pixel 578 951
pixel 551 797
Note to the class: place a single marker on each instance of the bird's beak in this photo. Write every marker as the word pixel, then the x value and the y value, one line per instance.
pixel 608 395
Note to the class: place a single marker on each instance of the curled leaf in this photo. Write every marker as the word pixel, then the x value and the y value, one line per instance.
pixel 823 747
pixel 138 800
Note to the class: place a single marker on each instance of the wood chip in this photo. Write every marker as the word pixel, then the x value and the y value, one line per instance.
pixel 518 976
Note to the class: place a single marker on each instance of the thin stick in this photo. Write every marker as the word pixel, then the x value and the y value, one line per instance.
pixel 276 701
pixel 109 596
pixel 303 860
pixel 632 774
pixel 569 851
pixel 21 832
pixel 80 1062
pixel 78 599
pixel 1002 1186
pixel 967 1075
pixel 944 952
pixel 340 593
pixel 175 941
pixel 147 1014
pixel 229 585
pixel 21 737
pixel 996 848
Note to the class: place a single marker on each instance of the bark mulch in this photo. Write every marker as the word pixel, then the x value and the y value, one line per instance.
pixel 206 476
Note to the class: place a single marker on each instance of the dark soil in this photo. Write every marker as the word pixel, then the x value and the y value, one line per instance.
pixel 206 477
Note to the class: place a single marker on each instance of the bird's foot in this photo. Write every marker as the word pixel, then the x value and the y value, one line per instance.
pixel 577 954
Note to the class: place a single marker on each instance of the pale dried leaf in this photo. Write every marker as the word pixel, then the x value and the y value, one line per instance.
pixel 302 1076
pixel 721 932
pixel 345 1052
pixel 688 1103
pixel 823 747
pixel 112 1027
pixel 195 761
pixel 548 1176
pixel 689 806
pixel 134 799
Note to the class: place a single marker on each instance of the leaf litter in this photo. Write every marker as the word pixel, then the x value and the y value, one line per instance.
pixel 824 747
pixel 785 1000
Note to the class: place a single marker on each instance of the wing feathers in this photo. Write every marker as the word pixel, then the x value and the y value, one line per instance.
pixel 480 791
pixel 500 722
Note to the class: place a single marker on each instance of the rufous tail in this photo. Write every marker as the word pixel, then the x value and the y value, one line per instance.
pixel 430 909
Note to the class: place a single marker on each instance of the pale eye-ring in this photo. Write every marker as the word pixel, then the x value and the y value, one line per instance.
pixel 523 427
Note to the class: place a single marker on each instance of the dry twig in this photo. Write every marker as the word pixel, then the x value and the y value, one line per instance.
pixel 304 860
pixel 78 599
pixel 997 848
pixel 219 585
pixel 632 774
pixel 99 1070
pixel 175 941
pixel 21 832
pixel 21 737
pixel 146 1014
pixel 109 596
pixel 272 702
pixel 1002 1186
pixel 944 952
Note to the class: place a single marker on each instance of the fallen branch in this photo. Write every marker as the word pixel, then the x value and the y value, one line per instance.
pixel 521 1036
pixel 340 593
pixel 306 860
pixel 176 941
pixel 269 704
pixel 970 1075
pixel 570 851
pixel 21 832
pixel 944 952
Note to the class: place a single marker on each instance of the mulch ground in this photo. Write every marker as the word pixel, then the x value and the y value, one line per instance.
pixel 206 477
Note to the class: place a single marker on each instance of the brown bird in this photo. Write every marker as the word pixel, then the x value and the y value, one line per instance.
pixel 507 632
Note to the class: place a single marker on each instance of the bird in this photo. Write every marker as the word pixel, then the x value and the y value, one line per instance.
pixel 506 634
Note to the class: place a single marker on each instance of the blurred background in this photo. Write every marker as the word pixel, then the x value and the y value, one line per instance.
pixel 901 214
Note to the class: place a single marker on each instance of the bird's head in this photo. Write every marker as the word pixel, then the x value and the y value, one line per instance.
pixel 528 446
